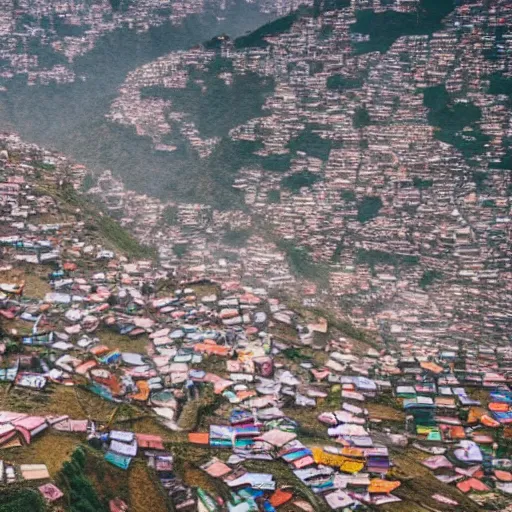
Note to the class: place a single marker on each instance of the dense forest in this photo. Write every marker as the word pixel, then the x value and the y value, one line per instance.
pixel 456 122
pixel 384 28
pixel 220 107
pixel 52 116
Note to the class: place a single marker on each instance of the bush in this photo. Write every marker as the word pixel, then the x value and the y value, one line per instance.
pixel 341 83
pixel 180 250
pixel 428 277
pixel 500 85
pixel 236 237
pixel 274 196
pixel 311 144
pixel 170 215
pixel 348 195
pixel 299 179
pixel 480 177
pixel 375 257
pixel 220 65
pixel 315 67
pixel 74 481
pixel 78 458
pixel 505 163
pixel 421 183
pixel 23 500
pixel 302 264
pixel 361 118
pixel 88 182
pixel 368 208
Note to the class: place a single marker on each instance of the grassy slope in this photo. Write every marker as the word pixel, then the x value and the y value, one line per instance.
pixel 104 228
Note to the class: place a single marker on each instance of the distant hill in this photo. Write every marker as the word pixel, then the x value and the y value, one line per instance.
pixel 273 28
pixel 384 28
pixel 222 97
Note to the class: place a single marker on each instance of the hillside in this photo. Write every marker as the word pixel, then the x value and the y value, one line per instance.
pixel 346 131
pixel 270 268
pixel 126 385
pixel 341 131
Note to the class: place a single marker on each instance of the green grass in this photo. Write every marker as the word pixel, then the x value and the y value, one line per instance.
pixel 384 28
pixel 21 500
pixel 145 492
pixel 122 240
pixel 418 485
pixel 302 265
pixel 107 228
pixel 342 326
pixel 124 343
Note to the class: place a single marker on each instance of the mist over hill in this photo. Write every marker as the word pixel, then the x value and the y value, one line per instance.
pixel 70 117
pixel 369 142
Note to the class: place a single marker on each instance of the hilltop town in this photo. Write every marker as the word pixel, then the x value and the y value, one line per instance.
pixel 127 385
pixel 41 39
pixel 304 305
pixel 407 220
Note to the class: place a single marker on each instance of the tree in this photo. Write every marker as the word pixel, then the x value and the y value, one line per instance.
pixel 180 250
pixel 274 196
pixel 300 179
pixel 278 163
pixel 115 4
pixel 428 278
pixel 88 182
pixel 146 289
pixel 302 264
pixel 348 195
pixel 451 118
pixel 236 237
pixel 480 177
pixel 84 497
pixel 421 184
pixel 361 118
pixel 216 107
pixel 436 98
pixel 35 364
pixel 340 83
pixel 17 500
pixel 385 27
pixel 112 300
pixel 170 215
pixel 78 457
pixel 368 208
pixel 500 85
pixel 312 144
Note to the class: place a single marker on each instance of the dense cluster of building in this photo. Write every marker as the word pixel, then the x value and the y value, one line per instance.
pixel 410 239
pixel 434 258
pixel 201 230
pixel 435 261
pixel 35 34
pixel 268 368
